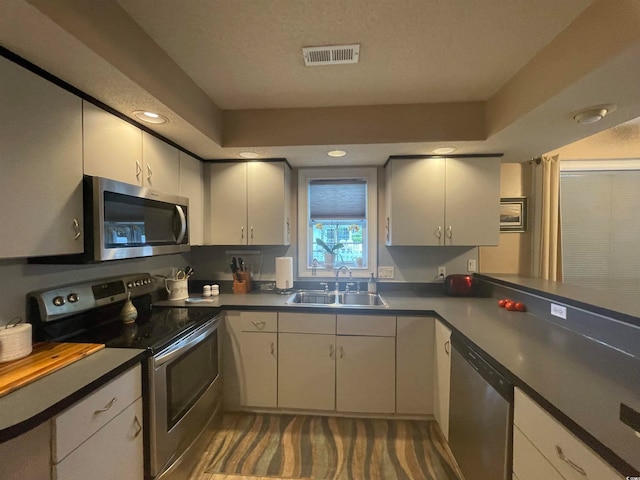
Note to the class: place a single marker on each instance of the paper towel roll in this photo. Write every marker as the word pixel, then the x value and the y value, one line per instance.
pixel 284 273
pixel 15 342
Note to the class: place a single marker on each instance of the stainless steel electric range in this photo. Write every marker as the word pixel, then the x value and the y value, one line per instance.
pixel 182 381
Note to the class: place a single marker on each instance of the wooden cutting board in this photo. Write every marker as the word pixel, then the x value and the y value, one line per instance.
pixel 45 358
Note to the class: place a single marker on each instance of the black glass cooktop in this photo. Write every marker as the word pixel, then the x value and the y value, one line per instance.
pixel 154 329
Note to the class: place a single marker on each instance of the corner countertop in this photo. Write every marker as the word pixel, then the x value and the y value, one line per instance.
pixel 29 406
pixel 580 377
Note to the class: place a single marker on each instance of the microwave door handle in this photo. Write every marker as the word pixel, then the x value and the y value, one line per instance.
pixel 183 224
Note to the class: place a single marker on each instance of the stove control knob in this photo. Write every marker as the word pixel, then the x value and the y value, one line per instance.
pixel 130 285
pixel 73 297
pixel 138 283
pixel 58 301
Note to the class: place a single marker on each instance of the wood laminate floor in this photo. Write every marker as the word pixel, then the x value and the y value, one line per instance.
pixel 252 446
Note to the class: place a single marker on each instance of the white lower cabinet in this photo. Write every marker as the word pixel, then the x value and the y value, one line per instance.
pixel 27 456
pixel 415 381
pixel 365 374
pixel 306 371
pixel 442 372
pixel 115 451
pixel 544 448
pixel 251 360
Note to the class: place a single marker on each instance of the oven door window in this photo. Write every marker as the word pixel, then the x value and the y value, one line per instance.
pixel 189 376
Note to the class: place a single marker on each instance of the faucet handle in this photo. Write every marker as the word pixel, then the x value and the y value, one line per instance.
pixel 325 285
pixel 349 284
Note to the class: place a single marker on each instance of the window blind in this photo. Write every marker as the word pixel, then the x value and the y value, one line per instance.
pixel 600 214
pixel 338 199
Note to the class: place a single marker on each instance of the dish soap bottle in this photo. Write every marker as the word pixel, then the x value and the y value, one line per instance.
pixel 372 286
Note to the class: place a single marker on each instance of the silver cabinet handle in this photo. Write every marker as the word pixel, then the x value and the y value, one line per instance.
pixel 138 169
pixel 251 233
pixel 149 172
pixel 138 425
pixel 242 232
pixel 438 232
pixel 575 466
pixel 387 229
pixel 76 228
pixel 331 352
pixel 273 349
pixel 341 351
pixel 106 407
pixel 449 232
pixel 446 346
pixel 259 324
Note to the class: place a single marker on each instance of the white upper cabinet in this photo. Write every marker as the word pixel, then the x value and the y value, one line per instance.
pixel 248 203
pixel 112 146
pixel 161 165
pixel 192 187
pixel 40 166
pixel 116 149
pixel 442 201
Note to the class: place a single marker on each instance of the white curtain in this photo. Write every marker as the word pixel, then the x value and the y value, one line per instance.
pixel 547 255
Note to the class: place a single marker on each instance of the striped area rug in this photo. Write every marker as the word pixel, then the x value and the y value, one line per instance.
pixel 327 448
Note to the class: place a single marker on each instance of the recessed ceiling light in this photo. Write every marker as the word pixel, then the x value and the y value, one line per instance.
pixel 593 114
pixel 150 117
pixel 444 150
pixel 249 155
pixel 337 153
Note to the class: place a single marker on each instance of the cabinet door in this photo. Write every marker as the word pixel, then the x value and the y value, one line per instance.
pixel 41 166
pixel 112 147
pixel 416 201
pixel 257 357
pixel 115 451
pixel 161 166
pixel 365 374
pixel 226 216
pixel 528 462
pixel 268 203
pixel 192 187
pixel 472 201
pixel 442 376
pixel 414 377
pixel 27 456
pixel 306 371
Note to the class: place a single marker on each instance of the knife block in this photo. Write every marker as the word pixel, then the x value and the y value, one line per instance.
pixel 242 283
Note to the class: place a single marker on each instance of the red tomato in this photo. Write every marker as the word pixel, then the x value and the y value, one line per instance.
pixel 510 306
pixel 502 302
pixel 520 307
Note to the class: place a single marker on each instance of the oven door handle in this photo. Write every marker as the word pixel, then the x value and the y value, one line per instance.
pixel 195 337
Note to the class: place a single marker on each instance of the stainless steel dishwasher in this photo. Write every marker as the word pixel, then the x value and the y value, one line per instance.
pixel 480 415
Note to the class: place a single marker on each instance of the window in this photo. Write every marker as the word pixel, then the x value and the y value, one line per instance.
pixel 600 228
pixel 337 214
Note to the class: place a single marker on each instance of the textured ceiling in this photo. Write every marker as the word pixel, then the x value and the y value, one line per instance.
pixel 485 76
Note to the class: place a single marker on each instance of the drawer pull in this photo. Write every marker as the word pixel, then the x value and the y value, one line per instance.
pixel 330 351
pixel 106 407
pixel 258 324
pixel 575 466
pixel 273 349
pixel 136 422
pixel 446 347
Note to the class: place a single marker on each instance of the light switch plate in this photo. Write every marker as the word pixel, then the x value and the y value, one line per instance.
pixel 386 272
pixel 472 265
pixel 559 311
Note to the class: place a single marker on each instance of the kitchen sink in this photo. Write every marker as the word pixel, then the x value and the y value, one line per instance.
pixel 315 298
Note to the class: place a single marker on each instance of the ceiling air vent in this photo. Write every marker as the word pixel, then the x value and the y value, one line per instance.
pixel 331 55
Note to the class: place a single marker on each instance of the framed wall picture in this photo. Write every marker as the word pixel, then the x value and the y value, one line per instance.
pixel 513 214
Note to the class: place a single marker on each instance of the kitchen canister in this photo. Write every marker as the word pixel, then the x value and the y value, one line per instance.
pixel 15 340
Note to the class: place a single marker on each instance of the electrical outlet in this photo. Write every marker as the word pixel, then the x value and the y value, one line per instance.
pixel 559 311
pixel 386 272
pixel 472 265
pixel 442 272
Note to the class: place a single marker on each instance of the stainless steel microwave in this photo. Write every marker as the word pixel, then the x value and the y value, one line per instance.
pixel 128 221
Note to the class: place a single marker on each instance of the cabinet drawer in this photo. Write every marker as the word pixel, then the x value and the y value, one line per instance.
pixel 376 326
pixel 307 323
pixel 253 321
pixel 574 460
pixel 83 419
pixel 528 462
pixel 114 452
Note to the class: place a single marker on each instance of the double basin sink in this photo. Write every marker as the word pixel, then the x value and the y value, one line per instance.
pixel 314 298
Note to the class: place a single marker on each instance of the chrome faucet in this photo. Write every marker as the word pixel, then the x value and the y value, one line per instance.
pixel 338 273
